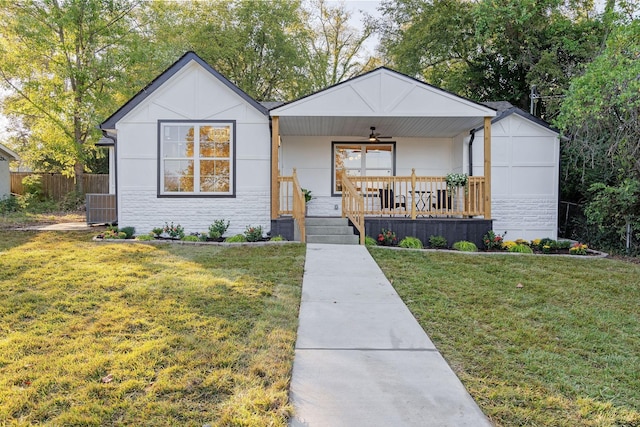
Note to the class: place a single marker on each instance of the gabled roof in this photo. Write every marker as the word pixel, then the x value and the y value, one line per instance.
pixel 7 153
pixel 505 109
pixel 110 123
pixel 392 102
pixel 383 92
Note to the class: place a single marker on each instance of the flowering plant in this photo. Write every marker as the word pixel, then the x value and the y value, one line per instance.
pixel 492 240
pixel 387 238
pixel 456 180
pixel 173 231
pixel 253 234
pixel 578 249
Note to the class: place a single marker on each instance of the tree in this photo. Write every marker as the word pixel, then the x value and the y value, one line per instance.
pixel 63 60
pixel 601 118
pixel 492 50
pixel 255 44
pixel 335 51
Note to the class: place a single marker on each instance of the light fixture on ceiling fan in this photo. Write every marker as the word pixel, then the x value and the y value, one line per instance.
pixel 375 136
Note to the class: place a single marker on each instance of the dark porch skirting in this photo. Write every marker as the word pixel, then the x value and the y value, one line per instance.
pixel 452 229
pixel 282 226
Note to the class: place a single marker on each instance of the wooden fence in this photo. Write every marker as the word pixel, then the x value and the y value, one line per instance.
pixel 56 185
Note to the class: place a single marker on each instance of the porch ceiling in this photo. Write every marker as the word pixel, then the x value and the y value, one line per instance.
pixel 426 127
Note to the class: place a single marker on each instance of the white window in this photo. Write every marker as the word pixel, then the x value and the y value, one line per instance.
pixel 196 159
pixel 362 160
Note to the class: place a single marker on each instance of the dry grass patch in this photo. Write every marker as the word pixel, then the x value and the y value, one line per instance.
pixel 562 350
pixel 103 334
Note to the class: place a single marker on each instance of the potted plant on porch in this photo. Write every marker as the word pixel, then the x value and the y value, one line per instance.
pixel 307 199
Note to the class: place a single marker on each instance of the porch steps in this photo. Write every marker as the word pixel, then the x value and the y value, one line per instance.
pixel 330 230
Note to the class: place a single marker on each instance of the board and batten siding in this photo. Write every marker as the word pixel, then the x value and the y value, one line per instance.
pixel 525 173
pixel 192 94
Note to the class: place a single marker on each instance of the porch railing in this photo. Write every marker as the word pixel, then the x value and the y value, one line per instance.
pixel 353 206
pixel 415 196
pixel 292 201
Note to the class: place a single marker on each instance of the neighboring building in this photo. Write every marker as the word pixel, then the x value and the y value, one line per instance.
pixel 6 156
pixel 192 147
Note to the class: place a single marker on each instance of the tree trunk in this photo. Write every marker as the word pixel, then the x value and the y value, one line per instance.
pixel 78 169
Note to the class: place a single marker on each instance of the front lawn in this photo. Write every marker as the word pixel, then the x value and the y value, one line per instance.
pixel 562 349
pixel 134 334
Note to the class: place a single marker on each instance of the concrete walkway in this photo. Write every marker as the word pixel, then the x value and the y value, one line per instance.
pixel 361 358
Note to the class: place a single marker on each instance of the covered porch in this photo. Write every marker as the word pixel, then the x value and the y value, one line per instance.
pixel 329 143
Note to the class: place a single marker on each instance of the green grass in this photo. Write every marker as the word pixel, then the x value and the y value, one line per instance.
pixel 562 350
pixel 135 334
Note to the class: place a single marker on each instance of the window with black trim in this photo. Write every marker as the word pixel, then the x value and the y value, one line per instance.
pixel 362 160
pixel 196 158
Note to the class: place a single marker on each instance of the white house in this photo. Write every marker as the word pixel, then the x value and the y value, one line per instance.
pixel 6 156
pixel 192 147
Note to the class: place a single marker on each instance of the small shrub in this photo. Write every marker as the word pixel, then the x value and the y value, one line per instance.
pixel 411 242
pixel 553 245
pixel 218 228
pixel 9 204
pixel 203 236
pixel 465 246
pixel 520 248
pixel 236 239
pixel 278 238
pixel 563 244
pixel 113 233
pixel 190 238
pixel 71 201
pixel 145 237
pixel 32 185
pixel 508 244
pixel 493 241
pixel 387 238
pixel 535 244
pixel 307 195
pixel 157 232
pixel 578 249
pixel 173 231
pixel 253 234
pixel 129 231
pixel 438 242
pixel 370 241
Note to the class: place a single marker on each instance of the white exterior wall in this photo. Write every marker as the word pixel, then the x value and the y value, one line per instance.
pixel 524 177
pixel 5 179
pixel 311 156
pixel 192 94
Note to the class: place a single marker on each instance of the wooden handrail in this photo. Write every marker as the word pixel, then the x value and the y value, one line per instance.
pixel 299 206
pixel 353 205
pixel 414 196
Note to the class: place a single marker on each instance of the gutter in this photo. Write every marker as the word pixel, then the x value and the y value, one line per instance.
pixel 472 132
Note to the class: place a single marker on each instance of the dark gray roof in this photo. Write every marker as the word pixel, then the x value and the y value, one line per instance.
pixel 505 109
pixel 110 123
pixel 269 105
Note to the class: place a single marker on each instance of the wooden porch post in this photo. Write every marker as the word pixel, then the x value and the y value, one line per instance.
pixel 413 193
pixel 275 185
pixel 487 167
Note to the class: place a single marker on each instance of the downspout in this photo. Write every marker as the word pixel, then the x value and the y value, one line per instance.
pixel 115 163
pixel 473 136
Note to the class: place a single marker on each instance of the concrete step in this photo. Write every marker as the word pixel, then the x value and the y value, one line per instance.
pixel 329 221
pixel 335 239
pixel 328 229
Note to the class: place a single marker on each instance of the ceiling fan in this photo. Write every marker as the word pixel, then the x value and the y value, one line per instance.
pixel 375 136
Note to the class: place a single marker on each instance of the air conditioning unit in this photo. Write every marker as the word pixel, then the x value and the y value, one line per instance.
pixel 101 209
